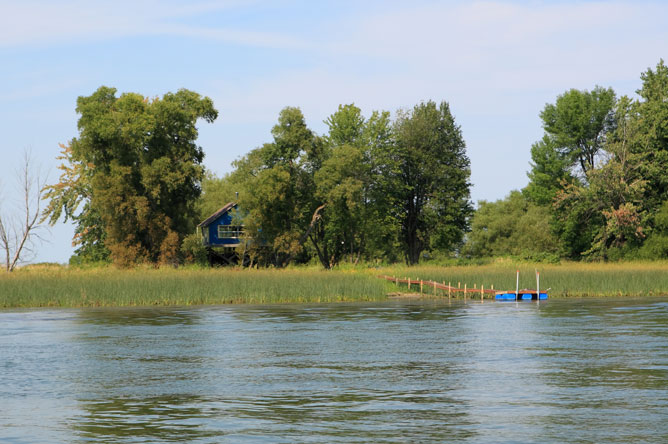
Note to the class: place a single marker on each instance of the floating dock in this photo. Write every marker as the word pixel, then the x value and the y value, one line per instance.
pixel 522 295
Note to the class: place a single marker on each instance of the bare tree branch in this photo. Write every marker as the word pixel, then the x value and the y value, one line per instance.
pixel 17 235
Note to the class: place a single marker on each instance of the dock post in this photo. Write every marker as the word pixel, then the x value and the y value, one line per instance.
pixel 421 287
pixel 448 288
pixel 517 284
pixel 482 292
pixel 434 282
pixel 464 291
pixel 537 287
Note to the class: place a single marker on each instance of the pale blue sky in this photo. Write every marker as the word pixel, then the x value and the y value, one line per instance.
pixel 496 62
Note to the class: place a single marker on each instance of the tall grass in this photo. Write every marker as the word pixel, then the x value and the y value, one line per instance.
pixel 59 287
pixel 564 280
pixel 108 286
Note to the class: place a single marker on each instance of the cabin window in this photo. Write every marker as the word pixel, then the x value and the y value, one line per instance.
pixel 229 232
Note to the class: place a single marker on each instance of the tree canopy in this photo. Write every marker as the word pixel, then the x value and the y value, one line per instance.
pixel 368 189
pixel 577 124
pixel 429 179
pixel 137 170
pixel 600 171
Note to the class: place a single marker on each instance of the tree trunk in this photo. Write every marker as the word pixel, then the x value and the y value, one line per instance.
pixel 305 236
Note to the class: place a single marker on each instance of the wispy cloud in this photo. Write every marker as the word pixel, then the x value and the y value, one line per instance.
pixel 45 23
pixel 515 45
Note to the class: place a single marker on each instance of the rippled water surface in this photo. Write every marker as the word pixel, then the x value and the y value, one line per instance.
pixel 588 371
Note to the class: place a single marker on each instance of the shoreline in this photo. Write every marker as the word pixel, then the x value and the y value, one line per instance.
pixel 52 287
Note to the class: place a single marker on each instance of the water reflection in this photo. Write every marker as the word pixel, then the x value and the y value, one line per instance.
pixel 562 371
pixel 138 316
pixel 412 310
pixel 163 418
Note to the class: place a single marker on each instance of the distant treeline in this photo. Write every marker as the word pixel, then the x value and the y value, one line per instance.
pixel 371 188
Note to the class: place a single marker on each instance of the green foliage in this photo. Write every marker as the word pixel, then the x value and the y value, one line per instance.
pixel 576 129
pixel 193 251
pixel 620 148
pixel 577 124
pixel 353 222
pixel 347 195
pixel 217 192
pixel 70 199
pixel 137 165
pixel 279 188
pixel 649 138
pixel 514 227
pixel 346 127
pixel 656 245
pixel 428 178
pixel 606 214
pixel 609 216
pixel 341 184
pixel 550 172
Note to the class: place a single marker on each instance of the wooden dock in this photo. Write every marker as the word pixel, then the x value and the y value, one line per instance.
pixel 468 292
pixel 445 288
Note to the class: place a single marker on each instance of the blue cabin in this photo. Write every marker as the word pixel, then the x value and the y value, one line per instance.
pixel 223 228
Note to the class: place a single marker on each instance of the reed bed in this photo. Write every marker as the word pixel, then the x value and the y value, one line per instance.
pixel 564 280
pixel 106 287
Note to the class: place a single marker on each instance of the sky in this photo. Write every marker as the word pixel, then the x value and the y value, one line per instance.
pixel 497 63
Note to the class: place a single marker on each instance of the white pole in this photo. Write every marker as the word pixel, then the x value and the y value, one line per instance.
pixel 517 285
pixel 538 287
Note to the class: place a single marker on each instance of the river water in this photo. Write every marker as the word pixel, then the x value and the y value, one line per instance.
pixel 581 371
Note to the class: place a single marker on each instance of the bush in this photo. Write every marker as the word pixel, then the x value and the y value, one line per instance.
pixel 193 251
pixel 655 247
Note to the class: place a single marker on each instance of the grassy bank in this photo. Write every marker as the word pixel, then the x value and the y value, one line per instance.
pixel 104 287
pixel 564 280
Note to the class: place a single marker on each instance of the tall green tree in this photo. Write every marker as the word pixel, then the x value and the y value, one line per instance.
pixel 341 185
pixel 353 221
pixel 649 133
pixel 279 191
pixel 430 173
pixel 139 158
pixel 577 125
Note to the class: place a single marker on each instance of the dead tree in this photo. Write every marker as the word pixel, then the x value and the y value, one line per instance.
pixel 19 226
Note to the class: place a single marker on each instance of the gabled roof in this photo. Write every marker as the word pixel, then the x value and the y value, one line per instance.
pixel 217 214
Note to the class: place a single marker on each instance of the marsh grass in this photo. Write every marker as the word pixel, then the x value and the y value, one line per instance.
pixel 55 286
pixel 103 287
pixel 564 280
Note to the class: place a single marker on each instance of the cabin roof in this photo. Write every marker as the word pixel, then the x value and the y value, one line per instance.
pixel 217 214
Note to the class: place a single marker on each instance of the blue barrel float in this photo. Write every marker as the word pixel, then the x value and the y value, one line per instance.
pixel 522 296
